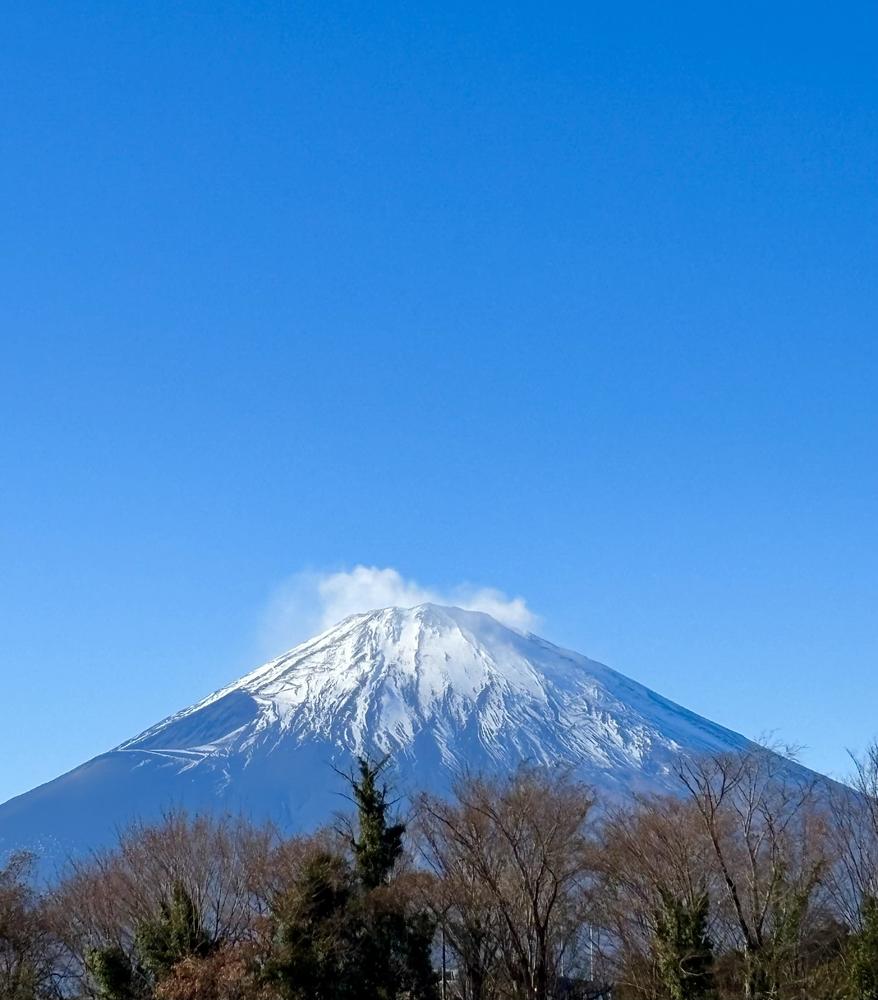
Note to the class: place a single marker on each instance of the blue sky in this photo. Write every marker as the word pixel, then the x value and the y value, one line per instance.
pixel 578 303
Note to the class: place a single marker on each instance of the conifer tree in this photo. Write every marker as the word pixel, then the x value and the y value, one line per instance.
pixel 175 934
pixel 863 955
pixel 393 946
pixel 345 931
pixel 114 975
pixel 379 844
pixel 313 941
pixel 684 951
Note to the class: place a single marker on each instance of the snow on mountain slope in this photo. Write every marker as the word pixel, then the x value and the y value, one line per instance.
pixel 440 689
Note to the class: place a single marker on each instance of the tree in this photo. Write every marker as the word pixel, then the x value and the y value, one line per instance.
pixel 524 841
pixel 656 878
pixel 862 955
pixel 394 937
pixel 464 908
pixel 114 975
pixel 683 947
pixel 175 933
pixel 854 872
pixel 349 926
pixel 313 942
pixel 161 942
pixel 28 946
pixel 172 891
pixel 229 973
pixel 378 845
pixel 767 836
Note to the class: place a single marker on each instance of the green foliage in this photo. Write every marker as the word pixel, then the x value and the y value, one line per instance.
pixel 176 933
pixel 862 955
pixel 344 930
pixel 113 974
pixel 312 948
pixel 379 844
pixel 775 963
pixel 392 951
pixel 393 947
pixel 412 957
pixel 684 952
pixel 20 984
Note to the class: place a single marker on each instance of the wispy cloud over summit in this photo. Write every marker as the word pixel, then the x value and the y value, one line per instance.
pixel 310 602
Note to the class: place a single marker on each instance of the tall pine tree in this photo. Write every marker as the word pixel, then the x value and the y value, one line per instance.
pixel 393 946
pixel 378 845
pixel 346 930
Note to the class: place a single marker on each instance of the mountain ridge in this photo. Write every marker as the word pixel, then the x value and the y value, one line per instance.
pixel 441 690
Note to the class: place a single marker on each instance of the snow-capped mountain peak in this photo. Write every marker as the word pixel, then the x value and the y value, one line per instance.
pixel 480 693
pixel 440 689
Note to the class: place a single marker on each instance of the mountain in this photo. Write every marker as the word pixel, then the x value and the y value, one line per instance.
pixel 440 689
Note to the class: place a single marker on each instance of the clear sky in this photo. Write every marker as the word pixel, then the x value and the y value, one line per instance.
pixel 578 301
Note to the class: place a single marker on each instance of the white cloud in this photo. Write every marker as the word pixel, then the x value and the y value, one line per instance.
pixel 310 602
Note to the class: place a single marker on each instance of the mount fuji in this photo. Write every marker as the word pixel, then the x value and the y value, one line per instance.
pixel 441 690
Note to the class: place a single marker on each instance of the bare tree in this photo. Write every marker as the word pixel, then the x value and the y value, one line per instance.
pixel 855 838
pixel 107 899
pixel 228 974
pixel 29 950
pixel 653 857
pixel 767 832
pixel 464 908
pixel 518 849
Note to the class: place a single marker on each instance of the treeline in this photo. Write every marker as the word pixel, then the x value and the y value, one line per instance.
pixel 752 882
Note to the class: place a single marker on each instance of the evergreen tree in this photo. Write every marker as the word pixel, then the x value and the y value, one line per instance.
pixel 114 975
pixel 159 944
pixel 379 844
pixel 393 946
pixel 684 952
pixel 863 955
pixel 176 933
pixel 313 940
pixel 344 930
